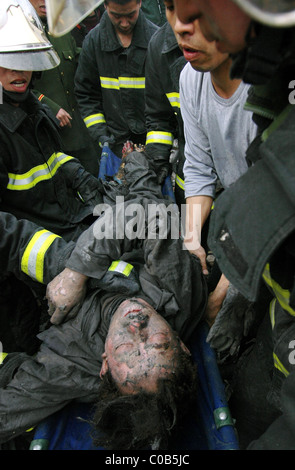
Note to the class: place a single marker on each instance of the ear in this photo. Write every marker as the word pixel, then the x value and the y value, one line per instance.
pixel 184 348
pixel 104 365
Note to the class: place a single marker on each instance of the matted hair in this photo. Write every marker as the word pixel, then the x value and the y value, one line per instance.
pixel 145 420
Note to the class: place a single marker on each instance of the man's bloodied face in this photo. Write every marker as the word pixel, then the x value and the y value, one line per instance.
pixel 140 347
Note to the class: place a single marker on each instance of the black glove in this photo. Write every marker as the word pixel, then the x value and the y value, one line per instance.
pixel 104 139
pixel 162 174
pixel 89 188
pixel 232 323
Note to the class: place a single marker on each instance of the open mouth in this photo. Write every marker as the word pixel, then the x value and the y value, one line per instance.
pixel 19 85
pixel 190 54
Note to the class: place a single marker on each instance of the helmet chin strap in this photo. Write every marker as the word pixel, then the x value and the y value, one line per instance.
pixel 264 53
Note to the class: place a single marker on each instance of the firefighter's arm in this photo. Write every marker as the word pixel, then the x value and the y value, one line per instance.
pixel 29 250
pixel 160 119
pixel 88 92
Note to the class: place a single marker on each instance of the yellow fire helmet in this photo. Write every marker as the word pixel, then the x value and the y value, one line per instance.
pixel 23 43
pixel 276 13
pixel 64 15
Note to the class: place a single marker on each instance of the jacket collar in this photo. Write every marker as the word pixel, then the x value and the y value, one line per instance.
pixel 110 41
pixel 170 42
pixel 11 117
pixel 270 99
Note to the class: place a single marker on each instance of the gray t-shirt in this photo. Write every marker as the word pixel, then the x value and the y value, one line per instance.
pixel 218 132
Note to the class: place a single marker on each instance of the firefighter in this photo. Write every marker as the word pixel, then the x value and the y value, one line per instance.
pixel 39 183
pixel 164 123
pixel 253 225
pixel 110 79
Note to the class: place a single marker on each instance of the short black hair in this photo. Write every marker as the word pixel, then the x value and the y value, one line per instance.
pixel 120 2
pixel 145 420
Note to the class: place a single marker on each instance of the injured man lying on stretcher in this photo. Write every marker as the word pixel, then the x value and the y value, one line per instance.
pixel 124 349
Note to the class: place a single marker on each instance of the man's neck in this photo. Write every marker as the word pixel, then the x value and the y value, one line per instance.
pixel 224 86
pixel 125 39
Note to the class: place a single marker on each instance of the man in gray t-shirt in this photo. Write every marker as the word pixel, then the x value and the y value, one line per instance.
pixel 217 132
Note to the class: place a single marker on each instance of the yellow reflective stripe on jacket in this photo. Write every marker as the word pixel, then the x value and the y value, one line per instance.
pixel 2 357
pixel 272 308
pixel 94 119
pixel 174 99
pixel 122 82
pixel 39 173
pixel 282 295
pixel 179 182
pixel 121 267
pixel 159 137
pixel 32 262
pixel 279 365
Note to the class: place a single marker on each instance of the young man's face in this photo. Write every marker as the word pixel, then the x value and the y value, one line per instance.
pixel 15 80
pixel 123 17
pixel 202 54
pixel 40 8
pixel 220 20
pixel 140 347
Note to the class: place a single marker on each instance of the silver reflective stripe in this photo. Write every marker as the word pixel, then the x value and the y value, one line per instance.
pixel 174 99
pixel 159 137
pixel 39 173
pixel 32 262
pixel 121 267
pixel 122 82
pixel 179 182
pixel 94 119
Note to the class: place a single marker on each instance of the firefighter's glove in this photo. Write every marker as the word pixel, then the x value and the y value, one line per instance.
pixel 89 188
pixel 121 278
pixel 106 140
pixel 65 295
pixel 162 174
pixel 232 323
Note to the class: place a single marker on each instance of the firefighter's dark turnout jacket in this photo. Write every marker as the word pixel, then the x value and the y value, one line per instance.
pixel 67 366
pixel 252 235
pixel 163 117
pixel 37 181
pixel 110 81
pixel 41 185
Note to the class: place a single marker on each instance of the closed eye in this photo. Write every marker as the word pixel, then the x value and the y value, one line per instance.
pixel 158 345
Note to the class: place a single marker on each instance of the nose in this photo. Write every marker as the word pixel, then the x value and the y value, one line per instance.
pixel 138 321
pixel 124 21
pixel 183 28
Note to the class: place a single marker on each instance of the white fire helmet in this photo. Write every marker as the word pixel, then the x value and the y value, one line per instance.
pixel 276 13
pixel 23 43
pixel 64 15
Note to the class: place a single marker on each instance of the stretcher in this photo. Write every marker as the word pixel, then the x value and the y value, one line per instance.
pixel 210 426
